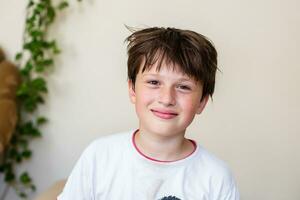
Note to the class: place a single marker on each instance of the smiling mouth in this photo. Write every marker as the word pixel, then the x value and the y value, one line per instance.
pixel 163 114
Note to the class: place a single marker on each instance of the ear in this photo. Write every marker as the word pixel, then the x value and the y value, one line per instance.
pixel 131 92
pixel 202 104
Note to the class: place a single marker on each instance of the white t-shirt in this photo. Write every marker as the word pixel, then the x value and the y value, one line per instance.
pixel 112 168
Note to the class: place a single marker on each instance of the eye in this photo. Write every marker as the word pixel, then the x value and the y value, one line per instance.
pixel 184 87
pixel 153 82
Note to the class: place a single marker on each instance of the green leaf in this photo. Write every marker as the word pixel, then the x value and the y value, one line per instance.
pixel 13 152
pixel 19 56
pixel 26 70
pixel 39 84
pixel 24 178
pixel 23 90
pixel 30 105
pixel 50 15
pixel 36 33
pixel 46 44
pixel 36 133
pixel 6 167
pixel 40 68
pixel 41 121
pixel 19 158
pixel 27 46
pixel 63 5
pixel 40 99
pixel 23 195
pixel 48 62
pixel 9 177
pixel 54 47
pixel 23 143
pixel 42 64
pixel 41 7
pixel 30 23
pixel 34 46
pixel 31 20
pixel 2 168
pixel 27 128
pixel 14 138
pixel 26 154
pixel 56 50
pixel 30 130
pixel 33 188
pixel 30 4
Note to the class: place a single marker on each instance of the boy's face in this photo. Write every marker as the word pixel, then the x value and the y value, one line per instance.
pixel 166 101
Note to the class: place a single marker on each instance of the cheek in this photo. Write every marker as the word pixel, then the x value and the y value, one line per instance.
pixel 147 95
pixel 190 104
pixel 189 110
pixel 144 98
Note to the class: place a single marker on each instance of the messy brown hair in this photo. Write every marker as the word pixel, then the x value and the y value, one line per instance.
pixel 195 55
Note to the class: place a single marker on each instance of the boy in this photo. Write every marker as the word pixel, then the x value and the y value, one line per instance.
pixel 171 74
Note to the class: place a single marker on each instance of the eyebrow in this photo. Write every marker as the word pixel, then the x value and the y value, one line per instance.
pixel 180 79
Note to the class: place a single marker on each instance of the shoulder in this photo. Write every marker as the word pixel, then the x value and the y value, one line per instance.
pixel 93 164
pixel 104 150
pixel 105 145
pixel 218 174
pixel 211 161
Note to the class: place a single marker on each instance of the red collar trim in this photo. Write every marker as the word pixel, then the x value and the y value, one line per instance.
pixel 161 161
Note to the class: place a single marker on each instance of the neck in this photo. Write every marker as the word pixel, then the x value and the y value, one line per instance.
pixel 163 148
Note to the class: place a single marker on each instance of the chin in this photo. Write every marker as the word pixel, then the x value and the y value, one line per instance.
pixel 164 131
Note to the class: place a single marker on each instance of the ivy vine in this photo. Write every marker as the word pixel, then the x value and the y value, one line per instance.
pixel 35 58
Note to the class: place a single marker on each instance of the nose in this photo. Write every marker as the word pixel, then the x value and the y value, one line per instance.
pixel 167 96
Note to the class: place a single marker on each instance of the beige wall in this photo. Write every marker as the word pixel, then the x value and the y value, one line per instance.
pixel 252 123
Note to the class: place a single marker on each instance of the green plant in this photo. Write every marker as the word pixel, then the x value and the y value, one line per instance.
pixel 35 58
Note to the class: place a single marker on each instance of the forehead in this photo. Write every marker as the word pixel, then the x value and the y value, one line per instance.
pixel 165 68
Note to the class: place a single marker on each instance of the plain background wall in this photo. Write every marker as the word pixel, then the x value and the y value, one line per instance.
pixel 252 124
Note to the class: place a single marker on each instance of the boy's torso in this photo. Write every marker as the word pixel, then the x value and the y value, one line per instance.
pixel 122 173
